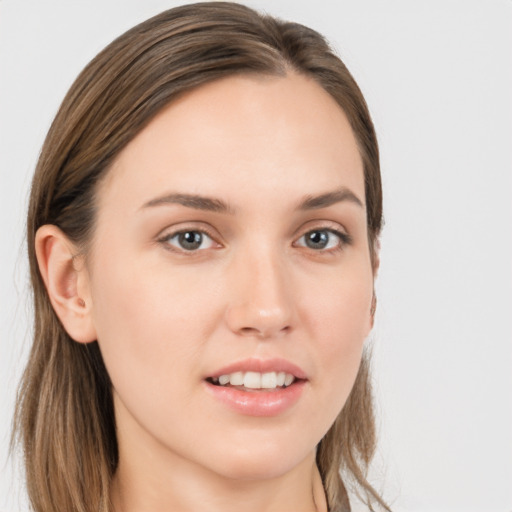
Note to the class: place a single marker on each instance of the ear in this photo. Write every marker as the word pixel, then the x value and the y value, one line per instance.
pixel 66 281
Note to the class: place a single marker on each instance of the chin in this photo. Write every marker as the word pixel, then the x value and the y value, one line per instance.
pixel 261 462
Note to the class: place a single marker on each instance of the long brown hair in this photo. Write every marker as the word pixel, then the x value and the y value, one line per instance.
pixel 65 417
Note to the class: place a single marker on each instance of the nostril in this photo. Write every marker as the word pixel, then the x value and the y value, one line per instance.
pixel 250 331
pixel 264 333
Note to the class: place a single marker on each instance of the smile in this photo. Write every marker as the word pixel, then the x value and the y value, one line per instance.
pixel 255 380
pixel 255 387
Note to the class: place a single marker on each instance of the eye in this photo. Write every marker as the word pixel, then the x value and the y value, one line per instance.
pixel 322 239
pixel 189 240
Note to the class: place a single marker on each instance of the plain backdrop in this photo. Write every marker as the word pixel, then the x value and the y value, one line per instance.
pixel 437 76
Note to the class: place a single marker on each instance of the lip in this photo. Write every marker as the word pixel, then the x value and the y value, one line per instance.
pixel 258 402
pixel 254 364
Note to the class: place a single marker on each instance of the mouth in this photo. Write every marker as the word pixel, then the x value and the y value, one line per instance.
pixel 255 381
pixel 256 387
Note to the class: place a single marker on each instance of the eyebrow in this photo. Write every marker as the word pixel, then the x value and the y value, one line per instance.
pixel 199 202
pixel 195 201
pixel 329 198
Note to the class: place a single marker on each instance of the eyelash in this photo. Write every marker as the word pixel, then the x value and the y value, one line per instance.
pixel 344 239
pixel 165 240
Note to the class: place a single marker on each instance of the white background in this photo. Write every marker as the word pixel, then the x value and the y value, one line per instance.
pixel 437 75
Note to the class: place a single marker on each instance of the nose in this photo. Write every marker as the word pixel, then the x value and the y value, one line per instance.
pixel 261 297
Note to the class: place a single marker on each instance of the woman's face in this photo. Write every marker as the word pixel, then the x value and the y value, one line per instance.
pixel 231 240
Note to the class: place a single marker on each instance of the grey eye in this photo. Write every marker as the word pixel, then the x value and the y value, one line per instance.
pixel 320 239
pixel 190 240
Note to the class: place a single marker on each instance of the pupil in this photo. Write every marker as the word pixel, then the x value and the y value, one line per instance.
pixel 317 239
pixel 190 240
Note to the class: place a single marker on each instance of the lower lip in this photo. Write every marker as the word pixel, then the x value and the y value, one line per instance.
pixel 260 402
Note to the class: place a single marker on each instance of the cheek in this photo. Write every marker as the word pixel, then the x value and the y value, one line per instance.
pixel 339 312
pixel 142 315
pixel 150 343
pixel 340 321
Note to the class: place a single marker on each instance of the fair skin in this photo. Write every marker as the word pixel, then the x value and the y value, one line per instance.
pixel 266 273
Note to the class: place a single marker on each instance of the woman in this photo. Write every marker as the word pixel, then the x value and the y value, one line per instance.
pixel 203 232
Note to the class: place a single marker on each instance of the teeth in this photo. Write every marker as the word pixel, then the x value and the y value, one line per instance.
pixel 252 380
pixel 223 380
pixel 256 380
pixel 269 380
pixel 236 379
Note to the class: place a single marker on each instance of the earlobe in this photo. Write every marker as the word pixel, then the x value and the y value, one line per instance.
pixel 66 282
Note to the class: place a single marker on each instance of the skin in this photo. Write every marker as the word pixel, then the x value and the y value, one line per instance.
pixel 166 318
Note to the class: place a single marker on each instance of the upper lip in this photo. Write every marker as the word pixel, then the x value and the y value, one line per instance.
pixel 261 366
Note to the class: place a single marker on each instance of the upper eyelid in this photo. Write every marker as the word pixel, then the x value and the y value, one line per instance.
pixel 321 224
pixel 306 227
pixel 171 231
pixel 344 237
pixel 166 235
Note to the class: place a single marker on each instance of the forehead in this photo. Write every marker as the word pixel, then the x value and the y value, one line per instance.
pixel 246 134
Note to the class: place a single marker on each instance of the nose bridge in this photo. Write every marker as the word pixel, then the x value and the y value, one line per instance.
pixel 261 303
